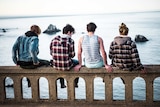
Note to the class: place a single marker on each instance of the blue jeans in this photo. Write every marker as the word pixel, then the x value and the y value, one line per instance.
pixel 75 62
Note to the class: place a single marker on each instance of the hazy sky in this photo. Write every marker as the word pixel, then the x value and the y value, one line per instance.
pixel 54 7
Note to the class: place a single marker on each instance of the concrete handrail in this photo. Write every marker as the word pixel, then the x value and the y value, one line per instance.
pixel 17 73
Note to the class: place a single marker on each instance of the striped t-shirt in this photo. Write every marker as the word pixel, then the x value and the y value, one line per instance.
pixel 91 50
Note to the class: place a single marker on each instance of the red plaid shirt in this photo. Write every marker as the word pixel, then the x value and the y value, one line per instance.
pixel 62 50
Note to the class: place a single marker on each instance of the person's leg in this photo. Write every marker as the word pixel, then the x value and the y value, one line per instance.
pixel 76 82
pixel 29 82
pixel 43 63
pixel 62 83
pixel 26 65
pixel 75 62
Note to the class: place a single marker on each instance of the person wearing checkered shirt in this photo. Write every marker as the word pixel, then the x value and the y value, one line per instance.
pixel 123 52
pixel 62 52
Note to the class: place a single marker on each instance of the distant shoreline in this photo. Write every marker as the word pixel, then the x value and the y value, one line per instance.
pixel 40 16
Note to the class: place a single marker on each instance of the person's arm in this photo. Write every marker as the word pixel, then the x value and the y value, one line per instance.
pixel 51 47
pixel 111 51
pixel 136 59
pixel 77 67
pixel 71 49
pixel 14 52
pixel 104 55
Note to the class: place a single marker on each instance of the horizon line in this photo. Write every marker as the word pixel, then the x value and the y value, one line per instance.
pixel 58 15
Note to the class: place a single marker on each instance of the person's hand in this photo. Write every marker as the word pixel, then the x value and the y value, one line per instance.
pixel 36 63
pixel 108 68
pixel 77 68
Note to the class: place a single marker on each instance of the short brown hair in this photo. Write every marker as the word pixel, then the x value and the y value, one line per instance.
pixel 68 28
pixel 91 27
pixel 36 29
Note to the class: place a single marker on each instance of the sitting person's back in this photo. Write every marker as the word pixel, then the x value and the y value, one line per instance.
pixel 92 47
pixel 25 50
pixel 62 52
pixel 123 51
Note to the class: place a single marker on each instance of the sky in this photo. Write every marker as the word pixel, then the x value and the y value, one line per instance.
pixel 64 7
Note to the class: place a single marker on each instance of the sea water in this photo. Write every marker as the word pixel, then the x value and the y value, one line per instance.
pixel 143 23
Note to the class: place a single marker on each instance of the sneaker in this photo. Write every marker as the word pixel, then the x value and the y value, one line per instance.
pixel 76 85
pixel 63 86
pixel 29 84
pixel 11 85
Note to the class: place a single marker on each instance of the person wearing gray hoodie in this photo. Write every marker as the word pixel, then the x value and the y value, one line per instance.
pixel 123 51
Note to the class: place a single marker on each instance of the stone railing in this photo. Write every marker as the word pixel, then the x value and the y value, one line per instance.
pixel 16 73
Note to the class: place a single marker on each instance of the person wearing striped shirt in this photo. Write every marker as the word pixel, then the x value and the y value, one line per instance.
pixel 93 49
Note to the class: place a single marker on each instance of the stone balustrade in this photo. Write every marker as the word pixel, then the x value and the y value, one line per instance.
pixel 16 74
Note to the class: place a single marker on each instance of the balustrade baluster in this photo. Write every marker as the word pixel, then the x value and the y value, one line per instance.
pixel 35 88
pixel 2 89
pixel 128 89
pixel 149 90
pixel 89 89
pixel 108 88
pixel 17 80
pixel 52 81
pixel 71 89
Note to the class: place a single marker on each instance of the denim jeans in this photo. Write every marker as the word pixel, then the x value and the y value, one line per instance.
pixel 75 62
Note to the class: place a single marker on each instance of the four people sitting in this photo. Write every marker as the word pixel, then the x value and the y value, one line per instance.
pixel 123 51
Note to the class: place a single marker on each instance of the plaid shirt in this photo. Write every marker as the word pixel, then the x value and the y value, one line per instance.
pixel 124 54
pixel 62 50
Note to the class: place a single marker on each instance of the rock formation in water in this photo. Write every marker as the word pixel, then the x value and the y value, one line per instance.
pixel 140 38
pixel 51 29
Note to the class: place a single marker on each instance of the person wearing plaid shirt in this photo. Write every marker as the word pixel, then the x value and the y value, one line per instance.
pixel 62 52
pixel 123 52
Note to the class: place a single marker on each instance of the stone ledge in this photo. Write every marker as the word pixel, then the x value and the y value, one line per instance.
pixel 8 69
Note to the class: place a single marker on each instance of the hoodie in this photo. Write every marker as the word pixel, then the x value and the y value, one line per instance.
pixel 124 54
pixel 30 34
pixel 122 40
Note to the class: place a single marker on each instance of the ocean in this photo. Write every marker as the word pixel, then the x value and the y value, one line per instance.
pixel 143 23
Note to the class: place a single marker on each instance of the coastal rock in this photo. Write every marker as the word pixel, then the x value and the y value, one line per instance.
pixel 3 30
pixel 51 29
pixel 140 38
